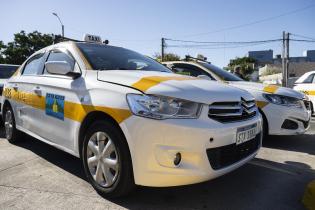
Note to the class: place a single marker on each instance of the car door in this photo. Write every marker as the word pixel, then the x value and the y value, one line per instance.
pixel 57 90
pixel 22 90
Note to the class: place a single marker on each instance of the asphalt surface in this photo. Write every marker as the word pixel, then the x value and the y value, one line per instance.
pixel 34 175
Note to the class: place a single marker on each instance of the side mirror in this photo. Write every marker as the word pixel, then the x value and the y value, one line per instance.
pixel 58 67
pixel 201 76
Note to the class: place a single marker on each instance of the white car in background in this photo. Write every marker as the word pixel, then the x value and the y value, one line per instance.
pixel 130 119
pixel 6 71
pixel 285 111
pixel 306 84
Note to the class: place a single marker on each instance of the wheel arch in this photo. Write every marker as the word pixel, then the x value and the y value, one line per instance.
pixel 265 120
pixel 92 117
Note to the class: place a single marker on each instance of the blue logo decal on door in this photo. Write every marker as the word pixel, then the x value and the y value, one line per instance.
pixel 55 105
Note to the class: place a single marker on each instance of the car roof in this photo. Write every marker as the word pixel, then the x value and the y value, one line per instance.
pixel 304 76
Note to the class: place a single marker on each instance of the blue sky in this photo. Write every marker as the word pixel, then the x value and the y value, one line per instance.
pixel 140 24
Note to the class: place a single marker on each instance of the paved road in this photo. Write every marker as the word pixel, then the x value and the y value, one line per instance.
pixel 34 175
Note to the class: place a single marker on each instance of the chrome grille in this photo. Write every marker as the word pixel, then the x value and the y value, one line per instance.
pixel 232 111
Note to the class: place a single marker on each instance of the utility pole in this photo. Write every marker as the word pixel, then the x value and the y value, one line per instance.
pixel 284 72
pixel 285 58
pixel 162 48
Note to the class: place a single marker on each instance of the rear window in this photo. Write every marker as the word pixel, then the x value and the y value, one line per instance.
pixel 7 71
pixel 309 79
pixel 105 57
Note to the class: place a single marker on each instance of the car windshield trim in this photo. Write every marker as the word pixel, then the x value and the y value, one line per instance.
pixel 221 73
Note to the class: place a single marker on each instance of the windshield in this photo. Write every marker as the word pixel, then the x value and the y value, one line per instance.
pixel 223 74
pixel 104 57
pixel 7 71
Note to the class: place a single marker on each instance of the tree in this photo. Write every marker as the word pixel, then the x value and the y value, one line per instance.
pixel 2 47
pixel 246 65
pixel 24 45
pixel 167 57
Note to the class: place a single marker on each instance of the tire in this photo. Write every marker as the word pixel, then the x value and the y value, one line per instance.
pixel 109 180
pixel 265 132
pixel 11 133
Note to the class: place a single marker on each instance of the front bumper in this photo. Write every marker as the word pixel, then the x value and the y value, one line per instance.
pixel 284 120
pixel 154 143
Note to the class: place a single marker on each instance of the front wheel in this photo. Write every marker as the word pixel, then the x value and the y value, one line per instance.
pixel 106 160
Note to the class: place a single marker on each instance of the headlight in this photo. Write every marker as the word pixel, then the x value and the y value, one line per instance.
pixel 283 100
pixel 161 107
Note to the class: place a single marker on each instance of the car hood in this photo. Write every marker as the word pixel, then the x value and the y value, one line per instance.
pixel 254 86
pixel 174 85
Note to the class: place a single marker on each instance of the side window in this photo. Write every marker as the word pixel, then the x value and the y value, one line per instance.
pixel 57 55
pixel 189 70
pixel 309 79
pixel 34 65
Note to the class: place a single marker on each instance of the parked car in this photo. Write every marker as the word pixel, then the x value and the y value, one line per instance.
pixel 285 111
pixel 6 71
pixel 306 84
pixel 129 118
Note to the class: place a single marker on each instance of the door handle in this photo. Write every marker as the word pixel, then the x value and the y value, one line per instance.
pixel 37 91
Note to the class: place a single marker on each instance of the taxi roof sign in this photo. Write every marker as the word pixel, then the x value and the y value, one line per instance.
pixel 92 38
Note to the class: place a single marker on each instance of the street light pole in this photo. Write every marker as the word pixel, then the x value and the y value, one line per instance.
pixel 62 26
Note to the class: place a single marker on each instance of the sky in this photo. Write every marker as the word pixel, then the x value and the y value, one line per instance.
pixel 139 25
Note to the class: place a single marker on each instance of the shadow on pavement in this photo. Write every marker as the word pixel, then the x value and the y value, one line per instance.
pixel 261 184
pixel 53 155
pixel 267 185
pixel 302 143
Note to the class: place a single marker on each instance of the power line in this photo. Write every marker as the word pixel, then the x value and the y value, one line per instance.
pixel 222 45
pixel 231 42
pixel 253 22
pixel 302 40
pixel 302 36
pixel 214 47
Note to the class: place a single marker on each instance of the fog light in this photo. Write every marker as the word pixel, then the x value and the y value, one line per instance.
pixel 177 159
pixel 289 124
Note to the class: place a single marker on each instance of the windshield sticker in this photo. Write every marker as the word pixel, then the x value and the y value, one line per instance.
pixel 55 105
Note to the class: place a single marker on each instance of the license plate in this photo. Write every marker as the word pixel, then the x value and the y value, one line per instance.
pixel 246 133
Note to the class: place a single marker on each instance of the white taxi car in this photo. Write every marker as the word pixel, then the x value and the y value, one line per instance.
pixel 130 119
pixel 306 84
pixel 284 111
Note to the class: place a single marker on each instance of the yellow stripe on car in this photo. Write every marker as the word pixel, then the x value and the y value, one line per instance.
pixel 261 104
pixel 77 112
pixel 271 88
pixel 309 92
pixel 147 82
pixel 73 111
